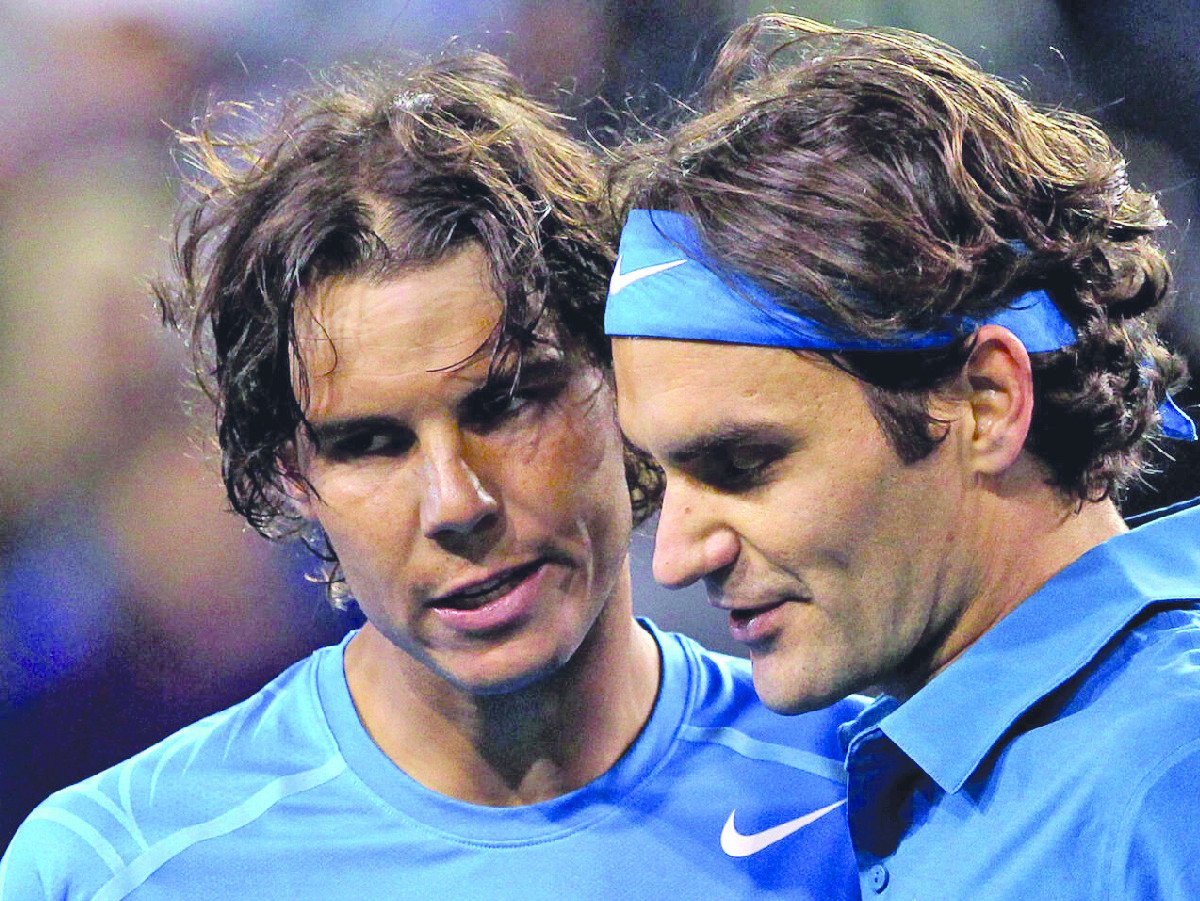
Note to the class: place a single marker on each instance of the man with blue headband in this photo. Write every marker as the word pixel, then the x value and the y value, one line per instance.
pixel 889 330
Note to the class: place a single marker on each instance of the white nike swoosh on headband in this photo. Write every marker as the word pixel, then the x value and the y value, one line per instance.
pixel 735 844
pixel 622 280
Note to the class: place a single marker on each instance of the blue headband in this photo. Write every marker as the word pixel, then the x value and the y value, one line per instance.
pixel 662 270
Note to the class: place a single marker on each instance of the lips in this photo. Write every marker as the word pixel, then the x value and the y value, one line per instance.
pixel 752 625
pixel 742 615
pixel 475 594
pixel 499 602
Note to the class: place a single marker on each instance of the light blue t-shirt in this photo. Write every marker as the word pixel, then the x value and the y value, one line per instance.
pixel 285 796
pixel 1059 756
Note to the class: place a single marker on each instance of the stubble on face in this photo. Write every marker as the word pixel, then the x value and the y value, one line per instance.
pixel 846 563
pixel 410 419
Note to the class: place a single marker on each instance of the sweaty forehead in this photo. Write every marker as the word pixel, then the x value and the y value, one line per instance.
pixel 431 318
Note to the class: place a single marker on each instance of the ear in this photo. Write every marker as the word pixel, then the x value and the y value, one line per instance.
pixel 999 382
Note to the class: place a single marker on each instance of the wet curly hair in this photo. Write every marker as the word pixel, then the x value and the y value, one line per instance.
pixel 370 172
pixel 885 175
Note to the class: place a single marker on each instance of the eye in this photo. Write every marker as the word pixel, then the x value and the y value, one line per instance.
pixel 494 406
pixel 735 468
pixel 366 442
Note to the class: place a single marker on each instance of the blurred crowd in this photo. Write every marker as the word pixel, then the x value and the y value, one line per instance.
pixel 131 602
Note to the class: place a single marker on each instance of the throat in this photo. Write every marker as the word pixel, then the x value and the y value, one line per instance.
pixel 559 735
pixel 516 748
pixel 529 749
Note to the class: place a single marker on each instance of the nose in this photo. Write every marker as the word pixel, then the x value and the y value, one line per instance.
pixel 689 544
pixel 454 501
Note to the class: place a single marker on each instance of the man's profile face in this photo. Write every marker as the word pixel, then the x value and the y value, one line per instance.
pixel 484 536
pixel 837 563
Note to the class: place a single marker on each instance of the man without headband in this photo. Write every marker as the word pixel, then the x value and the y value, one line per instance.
pixel 889 330
pixel 396 293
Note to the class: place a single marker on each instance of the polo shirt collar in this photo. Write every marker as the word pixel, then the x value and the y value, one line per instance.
pixel 949 726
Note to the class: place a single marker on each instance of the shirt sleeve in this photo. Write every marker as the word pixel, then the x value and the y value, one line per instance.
pixel 1156 850
pixel 54 857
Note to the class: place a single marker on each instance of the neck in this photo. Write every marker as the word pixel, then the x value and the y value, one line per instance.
pixel 519 747
pixel 1022 540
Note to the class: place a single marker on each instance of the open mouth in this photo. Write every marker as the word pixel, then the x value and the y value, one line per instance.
pixel 744 616
pixel 754 625
pixel 481 593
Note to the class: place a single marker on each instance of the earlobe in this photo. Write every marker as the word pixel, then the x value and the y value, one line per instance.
pixel 999 382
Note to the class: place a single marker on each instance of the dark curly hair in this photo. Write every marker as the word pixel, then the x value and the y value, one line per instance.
pixel 367 173
pixel 882 173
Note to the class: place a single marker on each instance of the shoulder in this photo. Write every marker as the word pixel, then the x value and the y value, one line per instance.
pixel 204 777
pixel 1135 704
pixel 747 778
pixel 1146 684
pixel 1134 724
pixel 1155 847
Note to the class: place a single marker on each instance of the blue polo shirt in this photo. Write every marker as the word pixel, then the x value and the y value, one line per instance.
pixel 1059 756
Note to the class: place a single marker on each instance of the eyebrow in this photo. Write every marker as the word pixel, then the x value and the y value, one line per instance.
pixel 328 431
pixel 723 436
pixel 531 371
pixel 540 367
pixel 331 431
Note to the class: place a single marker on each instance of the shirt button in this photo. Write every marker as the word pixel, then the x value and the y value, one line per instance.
pixel 877 878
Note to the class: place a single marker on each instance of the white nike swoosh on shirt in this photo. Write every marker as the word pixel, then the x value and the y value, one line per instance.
pixel 622 280
pixel 735 844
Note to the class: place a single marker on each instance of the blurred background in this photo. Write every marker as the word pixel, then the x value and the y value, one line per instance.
pixel 131 603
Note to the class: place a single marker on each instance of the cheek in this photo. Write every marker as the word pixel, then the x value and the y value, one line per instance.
pixel 363 516
pixel 577 487
pixel 821 506
pixel 827 515
pixel 586 485
pixel 578 452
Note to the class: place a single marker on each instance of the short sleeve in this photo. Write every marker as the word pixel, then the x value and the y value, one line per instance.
pixel 55 857
pixel 1156 850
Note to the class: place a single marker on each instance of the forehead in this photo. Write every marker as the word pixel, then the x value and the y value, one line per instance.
pixel 671 391
pixel 366 343
pixel 428 319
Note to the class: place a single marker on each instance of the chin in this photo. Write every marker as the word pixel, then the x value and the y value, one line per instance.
pixel 496 681
pixel 787 703
pixel 789 694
